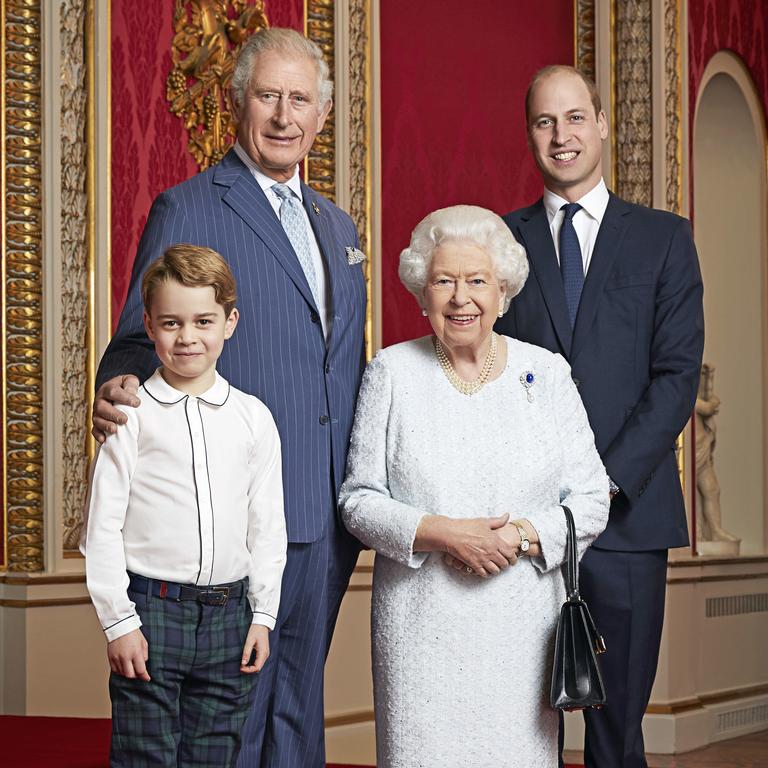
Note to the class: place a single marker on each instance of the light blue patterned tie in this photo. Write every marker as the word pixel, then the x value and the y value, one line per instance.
pixel 571 263
pixel 294 224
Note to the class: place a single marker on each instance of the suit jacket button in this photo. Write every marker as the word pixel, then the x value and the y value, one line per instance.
pixel 313 317
pixel 576 381
pixel 323 419
pixel 327 368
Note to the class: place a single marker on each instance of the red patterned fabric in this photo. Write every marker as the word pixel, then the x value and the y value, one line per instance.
pixel 149 143
pixel 453 79
pixel 740 26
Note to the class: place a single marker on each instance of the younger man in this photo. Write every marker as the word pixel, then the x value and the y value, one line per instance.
pixel 186 535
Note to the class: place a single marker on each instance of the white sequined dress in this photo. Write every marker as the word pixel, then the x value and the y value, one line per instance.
pixel 461 665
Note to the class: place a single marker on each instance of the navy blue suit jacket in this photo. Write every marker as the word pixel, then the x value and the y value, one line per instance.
pixel 278 352
pixel 635 354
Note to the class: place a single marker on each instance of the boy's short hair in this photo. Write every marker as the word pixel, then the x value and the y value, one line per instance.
pixel 194 266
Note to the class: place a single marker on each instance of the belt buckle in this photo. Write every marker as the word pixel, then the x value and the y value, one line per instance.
pixel 214 596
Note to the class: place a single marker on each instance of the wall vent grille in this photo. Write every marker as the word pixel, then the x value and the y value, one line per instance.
pixel 739 719
pixel 734 605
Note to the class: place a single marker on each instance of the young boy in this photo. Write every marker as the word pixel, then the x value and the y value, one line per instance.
pixel 186 540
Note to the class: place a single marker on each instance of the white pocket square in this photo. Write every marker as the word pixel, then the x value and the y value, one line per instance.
pixel 354 255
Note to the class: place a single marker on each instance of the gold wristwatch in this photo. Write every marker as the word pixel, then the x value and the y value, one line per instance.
pixel 525 544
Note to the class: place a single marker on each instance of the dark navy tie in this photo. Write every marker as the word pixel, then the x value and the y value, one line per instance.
pixel 571 265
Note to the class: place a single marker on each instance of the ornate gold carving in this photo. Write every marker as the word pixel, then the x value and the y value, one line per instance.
pixel 584 15
pixel 209 34
pixel 360 173
pixel 74 268
pixel 632 119
pixel 321 162
pixel 22 285
pixel 673 107
pixel 673 143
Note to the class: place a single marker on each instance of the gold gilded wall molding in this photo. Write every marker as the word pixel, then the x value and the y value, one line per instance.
pixel 633 112
pixel 321 161
pixel 22 309
pixel 360 146
pixel 208 37
pixel 584 22
pixel 673 108
pixel 75 302
pixel 673 147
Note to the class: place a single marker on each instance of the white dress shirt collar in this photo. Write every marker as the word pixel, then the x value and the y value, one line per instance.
pixel 159 389
pixel 264 181
pixel 594 202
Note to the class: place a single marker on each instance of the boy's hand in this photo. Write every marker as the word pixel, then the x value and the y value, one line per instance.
pixel 128 655
pixel 106 418
pixel 257 640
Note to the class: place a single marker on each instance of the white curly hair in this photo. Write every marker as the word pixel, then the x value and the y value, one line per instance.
pixel 467 224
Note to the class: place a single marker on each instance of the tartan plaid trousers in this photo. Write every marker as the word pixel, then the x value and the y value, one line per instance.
pixel 190 714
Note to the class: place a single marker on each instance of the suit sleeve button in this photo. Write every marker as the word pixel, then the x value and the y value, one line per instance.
pixel 323 419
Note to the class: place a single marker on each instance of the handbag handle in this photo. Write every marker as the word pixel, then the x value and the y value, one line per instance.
pixel 571 558
pixel 571 577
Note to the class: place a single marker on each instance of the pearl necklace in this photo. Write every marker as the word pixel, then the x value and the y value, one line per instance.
pixel 466 387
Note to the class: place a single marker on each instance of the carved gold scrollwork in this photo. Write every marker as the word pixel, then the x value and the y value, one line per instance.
pixel 673 107
pixel 74 270
pixel 321 162
pixel 585 36
pixel 22 319
pixel 633 152
pixel 209 34
pixel 673 142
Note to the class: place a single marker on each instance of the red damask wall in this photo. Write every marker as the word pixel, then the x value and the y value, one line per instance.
pixel 149 150
pixel 740 26
pixel 453 80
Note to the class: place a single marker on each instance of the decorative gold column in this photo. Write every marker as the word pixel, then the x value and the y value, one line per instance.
pixel 673 153
pixel 77 254
pixel 321 161
pixel 673 107
pixel 22 342
pixel 633 114
pixel 360 149
pixel 584 31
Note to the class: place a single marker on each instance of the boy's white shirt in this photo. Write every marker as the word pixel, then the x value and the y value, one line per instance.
pixel 189 490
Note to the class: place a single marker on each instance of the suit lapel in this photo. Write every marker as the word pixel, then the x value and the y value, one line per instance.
pixel 321 226
pixel 246 198
pixel 333 254
pixel 607 247
pixel 537 238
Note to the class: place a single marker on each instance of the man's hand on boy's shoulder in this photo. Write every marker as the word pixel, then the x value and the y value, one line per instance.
pixel 257 644
pixel 121 390
pixel 128 655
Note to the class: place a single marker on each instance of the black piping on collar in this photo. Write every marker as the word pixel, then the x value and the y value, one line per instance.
pixel 185 397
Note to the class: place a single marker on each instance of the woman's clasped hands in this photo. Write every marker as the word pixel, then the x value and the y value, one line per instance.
pixel 483 544
pixel 476 546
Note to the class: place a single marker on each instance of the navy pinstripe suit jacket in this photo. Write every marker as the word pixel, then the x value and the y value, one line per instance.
pixel 278 352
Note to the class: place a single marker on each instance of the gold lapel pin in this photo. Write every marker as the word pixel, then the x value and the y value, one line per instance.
pixel 315 209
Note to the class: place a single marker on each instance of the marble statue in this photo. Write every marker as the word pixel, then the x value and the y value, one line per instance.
pixel 711 537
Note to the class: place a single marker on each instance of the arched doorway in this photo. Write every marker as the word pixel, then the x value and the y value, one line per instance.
pixel 729 212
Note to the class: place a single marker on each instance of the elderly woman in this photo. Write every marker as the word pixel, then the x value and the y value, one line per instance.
pixel 464 447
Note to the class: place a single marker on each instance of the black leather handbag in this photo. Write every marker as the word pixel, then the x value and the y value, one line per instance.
pixel 576 680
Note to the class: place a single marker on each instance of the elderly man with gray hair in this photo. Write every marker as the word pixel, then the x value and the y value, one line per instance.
pixel 299 348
